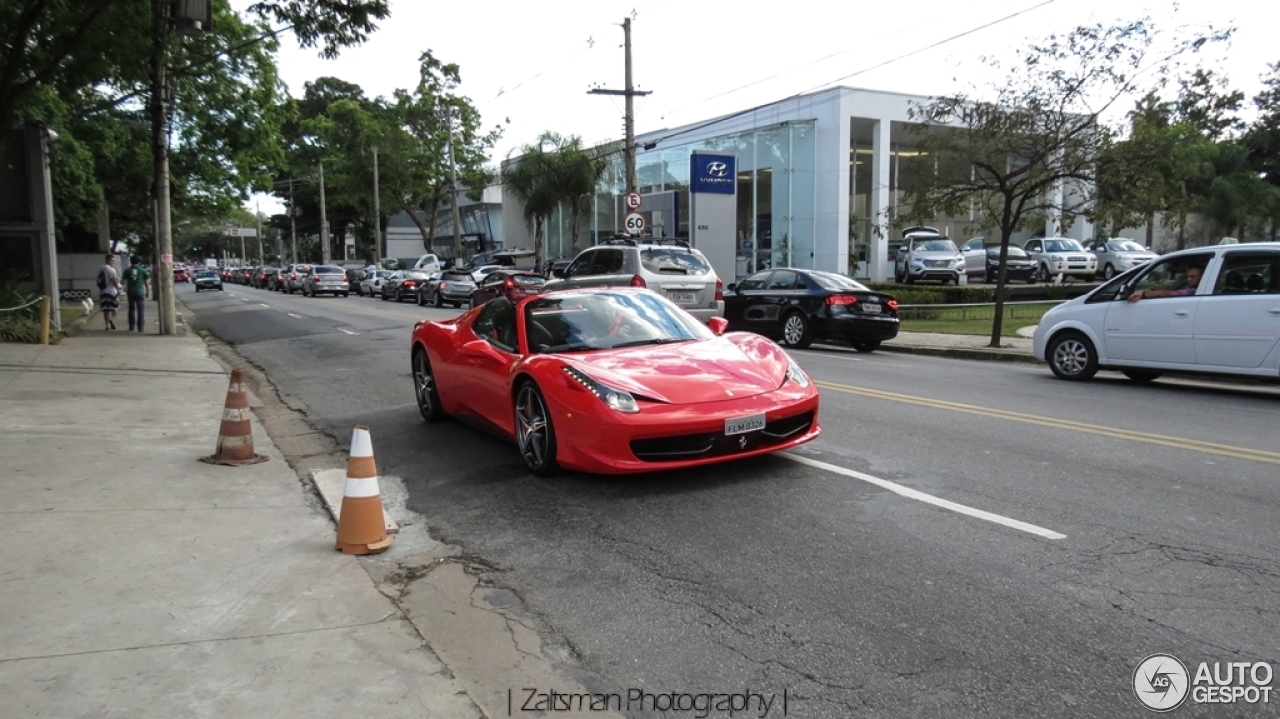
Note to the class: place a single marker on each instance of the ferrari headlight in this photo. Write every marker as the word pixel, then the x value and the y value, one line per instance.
pixel 795 374
pixel 615 398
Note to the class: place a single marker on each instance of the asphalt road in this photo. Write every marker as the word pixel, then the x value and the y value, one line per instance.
pixel 1093 525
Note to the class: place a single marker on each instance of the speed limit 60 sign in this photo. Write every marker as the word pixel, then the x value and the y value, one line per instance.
pixel 634 223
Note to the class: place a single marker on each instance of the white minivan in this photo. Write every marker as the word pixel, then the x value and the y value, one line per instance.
pixel 427 263
pixel 1158 318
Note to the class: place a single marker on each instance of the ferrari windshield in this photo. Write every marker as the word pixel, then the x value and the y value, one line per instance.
pixel 607 320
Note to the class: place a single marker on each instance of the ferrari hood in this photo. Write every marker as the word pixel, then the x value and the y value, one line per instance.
pixel 730 366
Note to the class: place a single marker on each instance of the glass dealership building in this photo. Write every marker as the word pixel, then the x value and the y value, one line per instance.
pixel 820 177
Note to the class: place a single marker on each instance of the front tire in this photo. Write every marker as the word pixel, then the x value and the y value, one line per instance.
pixel 385 298
pixel 795 331
pixel 424 387
pixel 439 299
pixel 421 302
pixel 1044 274
pixel 866 345
pixel 535 435
pixel 1108 272
pixel 1072 357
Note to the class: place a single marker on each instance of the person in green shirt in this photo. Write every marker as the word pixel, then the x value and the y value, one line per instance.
pixel 135 287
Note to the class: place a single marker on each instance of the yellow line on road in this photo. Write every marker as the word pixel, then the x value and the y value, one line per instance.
pixel 1224 450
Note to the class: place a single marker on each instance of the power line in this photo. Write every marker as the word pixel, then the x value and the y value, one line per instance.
pixel 877 66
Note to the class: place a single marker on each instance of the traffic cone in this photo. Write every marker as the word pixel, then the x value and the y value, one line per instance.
pixel 235 437
pixel 362 529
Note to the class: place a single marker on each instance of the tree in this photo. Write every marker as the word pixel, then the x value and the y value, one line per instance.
pixel 528 176
pixel 72 45
pixel 556 170
pixel 1031 150
pixel 1263 142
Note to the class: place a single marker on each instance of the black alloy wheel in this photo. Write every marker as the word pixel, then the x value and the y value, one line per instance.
pixel 535 435
pixel 424 387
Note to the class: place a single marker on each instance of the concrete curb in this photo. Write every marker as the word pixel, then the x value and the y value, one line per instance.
pixel 990 355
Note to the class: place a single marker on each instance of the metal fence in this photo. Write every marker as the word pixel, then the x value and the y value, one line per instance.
pixel 981 311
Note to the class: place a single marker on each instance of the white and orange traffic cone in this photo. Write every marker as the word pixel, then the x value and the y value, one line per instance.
pixel 235 437
pixel 362 529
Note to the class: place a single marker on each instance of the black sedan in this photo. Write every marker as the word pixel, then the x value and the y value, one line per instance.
pixel 1018 265
pixel 403 285
pixel 796 306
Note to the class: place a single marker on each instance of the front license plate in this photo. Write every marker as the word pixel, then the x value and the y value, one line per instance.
pixel 875 309
pixel 681 297
pixel 742 425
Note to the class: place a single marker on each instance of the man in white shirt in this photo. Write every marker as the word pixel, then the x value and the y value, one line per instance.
pixel 109 292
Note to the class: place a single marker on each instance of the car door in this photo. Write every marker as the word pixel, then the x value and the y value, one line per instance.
pixel 486 382
pixel 975 256
pixel 1238 326
pixel 745 307
pixel 1158 329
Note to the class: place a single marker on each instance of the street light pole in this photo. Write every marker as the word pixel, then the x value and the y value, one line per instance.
pixel 324 223
pixel 377 212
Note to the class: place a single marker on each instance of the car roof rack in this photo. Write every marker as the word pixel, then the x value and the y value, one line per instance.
pixel 635 240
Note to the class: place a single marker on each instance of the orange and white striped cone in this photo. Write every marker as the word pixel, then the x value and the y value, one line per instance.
pixel 362 528
pixel 235 436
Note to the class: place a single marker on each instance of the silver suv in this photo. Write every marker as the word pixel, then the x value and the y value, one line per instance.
pixel 927 255
pixel 670 267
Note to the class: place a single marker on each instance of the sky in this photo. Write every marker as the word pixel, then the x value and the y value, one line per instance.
pixel 528 66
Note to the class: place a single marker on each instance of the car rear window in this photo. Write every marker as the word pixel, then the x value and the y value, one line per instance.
pixel 330 271
pixel 417 276
pixel 673 261
pixel 456 277
pixel 529 280
pixel 832 281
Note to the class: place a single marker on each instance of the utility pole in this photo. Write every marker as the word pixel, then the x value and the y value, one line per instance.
pixel 257 213
pixel 293 227
pixel 377 212
pixel 453 185
pixel 629 120
pixel 324 222
pixel 160 160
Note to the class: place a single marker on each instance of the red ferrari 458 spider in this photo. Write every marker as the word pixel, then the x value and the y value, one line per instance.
pixel 612 381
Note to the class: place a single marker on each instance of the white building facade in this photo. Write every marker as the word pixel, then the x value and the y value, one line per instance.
pixel 821 179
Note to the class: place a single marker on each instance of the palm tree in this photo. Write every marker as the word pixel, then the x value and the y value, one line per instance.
pixel 554 170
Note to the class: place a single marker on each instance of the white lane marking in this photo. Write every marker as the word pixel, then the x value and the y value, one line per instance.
pixel 293 315
pixel 342 329
pixel 263 304
pixel 928 498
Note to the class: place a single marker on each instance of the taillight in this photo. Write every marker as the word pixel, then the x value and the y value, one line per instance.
pixel 719 290
pixel 509 283
pixel 842 300
pixel 893 305
pixel 638 281
pixel 410 283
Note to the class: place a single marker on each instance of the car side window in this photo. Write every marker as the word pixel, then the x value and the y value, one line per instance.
pixel 1249 273
pixel 496 324
pixel 1170 274
pixel 754 282
pixel 609 262
pixel 783 280
pixel 584 265
pixel 1032 246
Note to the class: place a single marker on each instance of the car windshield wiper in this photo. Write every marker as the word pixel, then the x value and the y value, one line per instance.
pixel 654 341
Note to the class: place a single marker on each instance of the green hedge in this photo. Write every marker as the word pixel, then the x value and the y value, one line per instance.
pixel 937 295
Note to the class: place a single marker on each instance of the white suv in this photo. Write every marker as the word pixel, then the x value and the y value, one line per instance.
pixel 1061 256
pixel 670 267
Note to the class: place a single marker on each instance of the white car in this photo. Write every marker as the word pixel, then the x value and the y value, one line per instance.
pixel 1061 256
pixel 927 255
pixel 1228 323
pixel 371 285
pixel 1118 255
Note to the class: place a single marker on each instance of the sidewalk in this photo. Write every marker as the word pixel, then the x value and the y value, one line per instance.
pixel 1012 349
pixel 140 582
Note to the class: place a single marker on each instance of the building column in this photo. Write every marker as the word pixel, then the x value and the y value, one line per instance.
pixel 878 243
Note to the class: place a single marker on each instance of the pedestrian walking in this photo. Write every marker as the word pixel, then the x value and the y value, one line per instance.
pixel 135 288
pixel 109 292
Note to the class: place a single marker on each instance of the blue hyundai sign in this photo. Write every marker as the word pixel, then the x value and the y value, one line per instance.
pixel 714 173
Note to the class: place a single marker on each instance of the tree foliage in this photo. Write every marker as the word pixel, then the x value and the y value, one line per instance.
pixel 1029 148
pixel 552 171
